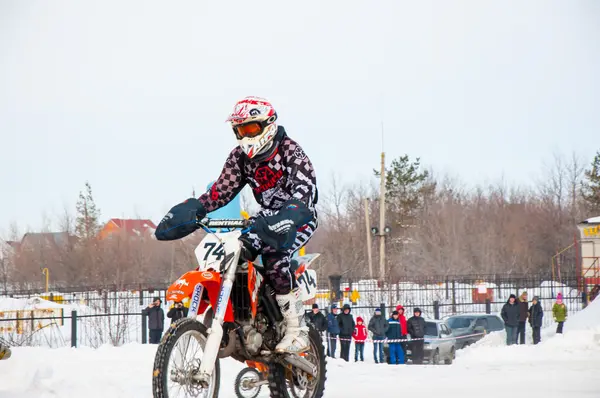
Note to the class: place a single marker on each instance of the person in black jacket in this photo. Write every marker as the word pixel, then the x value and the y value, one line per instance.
pixel 156 320
pixel 378 325
pixel 536 315
pixel 416 329
pixel 177 312
pixel 317 318
pixel 346 322
pixel 510 315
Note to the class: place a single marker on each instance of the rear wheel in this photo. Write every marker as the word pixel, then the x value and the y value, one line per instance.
pixel 178 359
pixel 245 383
pixel 291 382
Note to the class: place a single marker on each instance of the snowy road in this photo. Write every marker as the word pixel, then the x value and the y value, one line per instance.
pixel 557 368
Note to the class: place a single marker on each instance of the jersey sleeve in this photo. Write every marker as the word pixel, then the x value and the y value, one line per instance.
pixel 228 185
pixel 302 174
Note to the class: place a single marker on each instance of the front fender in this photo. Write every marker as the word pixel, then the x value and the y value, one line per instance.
pixel 210 280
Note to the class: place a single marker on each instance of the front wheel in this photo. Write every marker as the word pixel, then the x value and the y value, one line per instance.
pixel 178 359
pixel 290 382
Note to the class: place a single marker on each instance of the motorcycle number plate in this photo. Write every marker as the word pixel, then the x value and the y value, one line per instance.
pixel 308 284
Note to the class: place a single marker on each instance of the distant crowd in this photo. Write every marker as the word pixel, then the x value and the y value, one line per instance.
pixel 517 312
pixel 343 327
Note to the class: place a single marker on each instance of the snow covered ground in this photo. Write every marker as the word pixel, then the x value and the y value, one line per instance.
pixel 562 365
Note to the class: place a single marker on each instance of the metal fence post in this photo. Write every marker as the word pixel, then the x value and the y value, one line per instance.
pixel 73 328
pixel 144 329
pixel 436 309
pixel 382 307
pixel 453 296
pixel 141 296
pixel 488 306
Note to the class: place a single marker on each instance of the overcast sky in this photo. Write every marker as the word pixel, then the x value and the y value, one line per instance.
pixel 133 96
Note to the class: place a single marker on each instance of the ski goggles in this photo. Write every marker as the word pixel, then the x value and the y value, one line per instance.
pixel 248 130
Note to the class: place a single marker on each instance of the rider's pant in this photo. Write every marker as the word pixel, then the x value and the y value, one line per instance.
pixel 277 263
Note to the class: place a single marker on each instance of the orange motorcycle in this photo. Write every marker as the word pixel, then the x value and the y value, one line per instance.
pixel 233 313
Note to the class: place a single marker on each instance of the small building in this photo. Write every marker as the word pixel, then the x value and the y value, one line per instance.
pixel 590 252
pixel 128 227
pixel 46 240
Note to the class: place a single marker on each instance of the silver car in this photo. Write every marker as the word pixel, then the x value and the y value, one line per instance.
pixel 440 344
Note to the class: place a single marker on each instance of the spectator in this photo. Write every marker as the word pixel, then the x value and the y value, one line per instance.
pixel 177 312
pixel 378 325
pixel 359 336
pixel 346 322
pixel 536 314
pixel 393 333
pixel 156 320
pixel 559 312
pixel 510 314
pixel 416 329
pixel 317 318
pixel 403 326
pixel 523 313
pixel 333 330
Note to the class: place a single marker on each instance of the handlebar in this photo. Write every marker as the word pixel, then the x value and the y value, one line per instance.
pixel 223 223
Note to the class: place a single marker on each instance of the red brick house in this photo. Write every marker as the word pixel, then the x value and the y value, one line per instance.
pixel 129 227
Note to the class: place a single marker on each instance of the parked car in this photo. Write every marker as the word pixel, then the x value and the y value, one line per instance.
pixel 475 326
pixel 440 343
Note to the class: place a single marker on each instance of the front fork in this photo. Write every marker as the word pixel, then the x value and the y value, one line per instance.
pixel 215 333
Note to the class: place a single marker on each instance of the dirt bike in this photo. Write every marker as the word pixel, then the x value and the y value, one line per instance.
pixel 233 313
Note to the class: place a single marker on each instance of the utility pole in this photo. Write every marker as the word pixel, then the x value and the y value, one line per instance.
pixel 369 254
pixel 382 220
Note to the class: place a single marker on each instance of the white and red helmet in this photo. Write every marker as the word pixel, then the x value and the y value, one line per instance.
pixel 253 122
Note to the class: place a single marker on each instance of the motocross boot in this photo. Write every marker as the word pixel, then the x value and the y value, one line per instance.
pixel 295 339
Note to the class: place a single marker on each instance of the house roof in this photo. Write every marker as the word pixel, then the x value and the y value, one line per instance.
pixel 14 244
pixel 41 238
pixel 134 226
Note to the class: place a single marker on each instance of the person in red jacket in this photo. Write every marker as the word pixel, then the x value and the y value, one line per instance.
pixel 360 336
pixel 403 327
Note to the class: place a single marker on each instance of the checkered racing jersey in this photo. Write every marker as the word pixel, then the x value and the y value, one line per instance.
pixel 286 174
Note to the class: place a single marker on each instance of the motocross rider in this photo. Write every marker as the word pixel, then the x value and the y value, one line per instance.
pixel 283 182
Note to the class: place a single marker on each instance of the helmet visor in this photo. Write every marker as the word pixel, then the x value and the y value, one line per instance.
pixel 249 130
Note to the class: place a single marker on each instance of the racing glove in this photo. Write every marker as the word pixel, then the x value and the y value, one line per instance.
pixel 279 231
pixel 181 220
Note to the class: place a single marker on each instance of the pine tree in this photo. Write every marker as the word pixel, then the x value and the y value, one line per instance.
pixel 406 187
pixel 591 187
pixel 87 215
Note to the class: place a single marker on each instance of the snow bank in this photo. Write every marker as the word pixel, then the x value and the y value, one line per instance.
pixel 91 331
pixel 587 319
pixel 580 341
pixel 33 303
